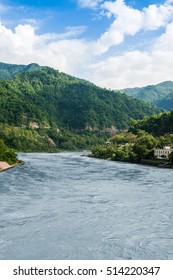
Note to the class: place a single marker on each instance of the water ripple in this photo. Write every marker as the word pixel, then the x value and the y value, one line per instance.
pixel 64 206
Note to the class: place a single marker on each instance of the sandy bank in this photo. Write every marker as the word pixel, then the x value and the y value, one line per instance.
pixel 4 166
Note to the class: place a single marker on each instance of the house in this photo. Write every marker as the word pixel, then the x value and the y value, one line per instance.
pixel 163 152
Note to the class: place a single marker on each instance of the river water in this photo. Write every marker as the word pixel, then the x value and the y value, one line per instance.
pixel 64 206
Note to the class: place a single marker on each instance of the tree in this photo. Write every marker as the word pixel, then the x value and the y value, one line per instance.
pixel 144 146
pixel 6 154
pixel 171 158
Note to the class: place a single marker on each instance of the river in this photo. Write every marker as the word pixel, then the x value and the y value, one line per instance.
pixel 64 206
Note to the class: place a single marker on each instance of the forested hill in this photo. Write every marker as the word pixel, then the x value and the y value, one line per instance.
pixel 52 98
pixel 8 71
pixel 157 125
pixel 44 107
pixel 161 95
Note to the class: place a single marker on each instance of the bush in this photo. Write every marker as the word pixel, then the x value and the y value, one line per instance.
pixel 6 154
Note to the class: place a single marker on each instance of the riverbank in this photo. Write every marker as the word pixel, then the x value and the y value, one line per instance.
pixel 157 162
pixel 161 163
pixel 4 166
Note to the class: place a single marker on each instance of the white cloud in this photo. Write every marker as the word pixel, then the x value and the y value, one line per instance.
pixel 157 16
pixel 25 46
pixel 72 31
pixel 169 1
pixel 32 21
pixel 80 57
pixel 165 42
pixel 89 3
pixel 129 21
pixel 137 68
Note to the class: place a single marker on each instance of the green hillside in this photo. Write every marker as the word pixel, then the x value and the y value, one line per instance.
pixel 8 71
pixel 137 145
pixel 161 95
pixel 166 103
pixel 43 110
pixel 7 154
pixel 157 125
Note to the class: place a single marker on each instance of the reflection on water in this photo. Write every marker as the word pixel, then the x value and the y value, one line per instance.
pixel 64 206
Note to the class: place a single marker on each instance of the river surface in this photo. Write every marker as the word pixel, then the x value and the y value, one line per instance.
pixel 64 206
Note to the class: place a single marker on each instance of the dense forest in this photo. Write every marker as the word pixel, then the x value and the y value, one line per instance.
pixel 161 95
pixel 157 125
pixel 42 109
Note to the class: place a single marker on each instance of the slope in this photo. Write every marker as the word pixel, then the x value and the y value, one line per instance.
pixel 45 109
pixel 157 125
pixel 8 71
pixel 161 95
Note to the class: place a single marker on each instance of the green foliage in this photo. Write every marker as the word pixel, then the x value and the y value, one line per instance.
pixel 123 138
pixel 161 95
pixel 144 146
pixel 36 104
pixel 6 154
pixel 157 125
pixel 165 103
pixel 171 158
pixel 49 140
pixel 48 96
pixel 133 148
pixel 8 71
pixel 104 152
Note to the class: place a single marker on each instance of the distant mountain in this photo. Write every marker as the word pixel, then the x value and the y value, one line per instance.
pixel 161 95
pixel 8 71
pixel 166 103
pixel 43 109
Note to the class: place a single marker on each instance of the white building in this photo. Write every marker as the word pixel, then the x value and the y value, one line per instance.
pixel 163 152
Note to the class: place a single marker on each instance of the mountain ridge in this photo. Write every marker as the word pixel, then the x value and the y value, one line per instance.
pixel 46 108
pixel 8 71
pixel 161 95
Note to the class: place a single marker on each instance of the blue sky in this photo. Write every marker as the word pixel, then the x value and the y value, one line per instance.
pixel 115 44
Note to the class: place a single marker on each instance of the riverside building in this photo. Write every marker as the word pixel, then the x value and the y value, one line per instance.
pixel 163 152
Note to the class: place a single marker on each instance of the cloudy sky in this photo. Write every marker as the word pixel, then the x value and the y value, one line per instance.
pixel 115 44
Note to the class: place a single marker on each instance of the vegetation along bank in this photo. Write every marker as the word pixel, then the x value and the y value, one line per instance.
pixel 149 141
